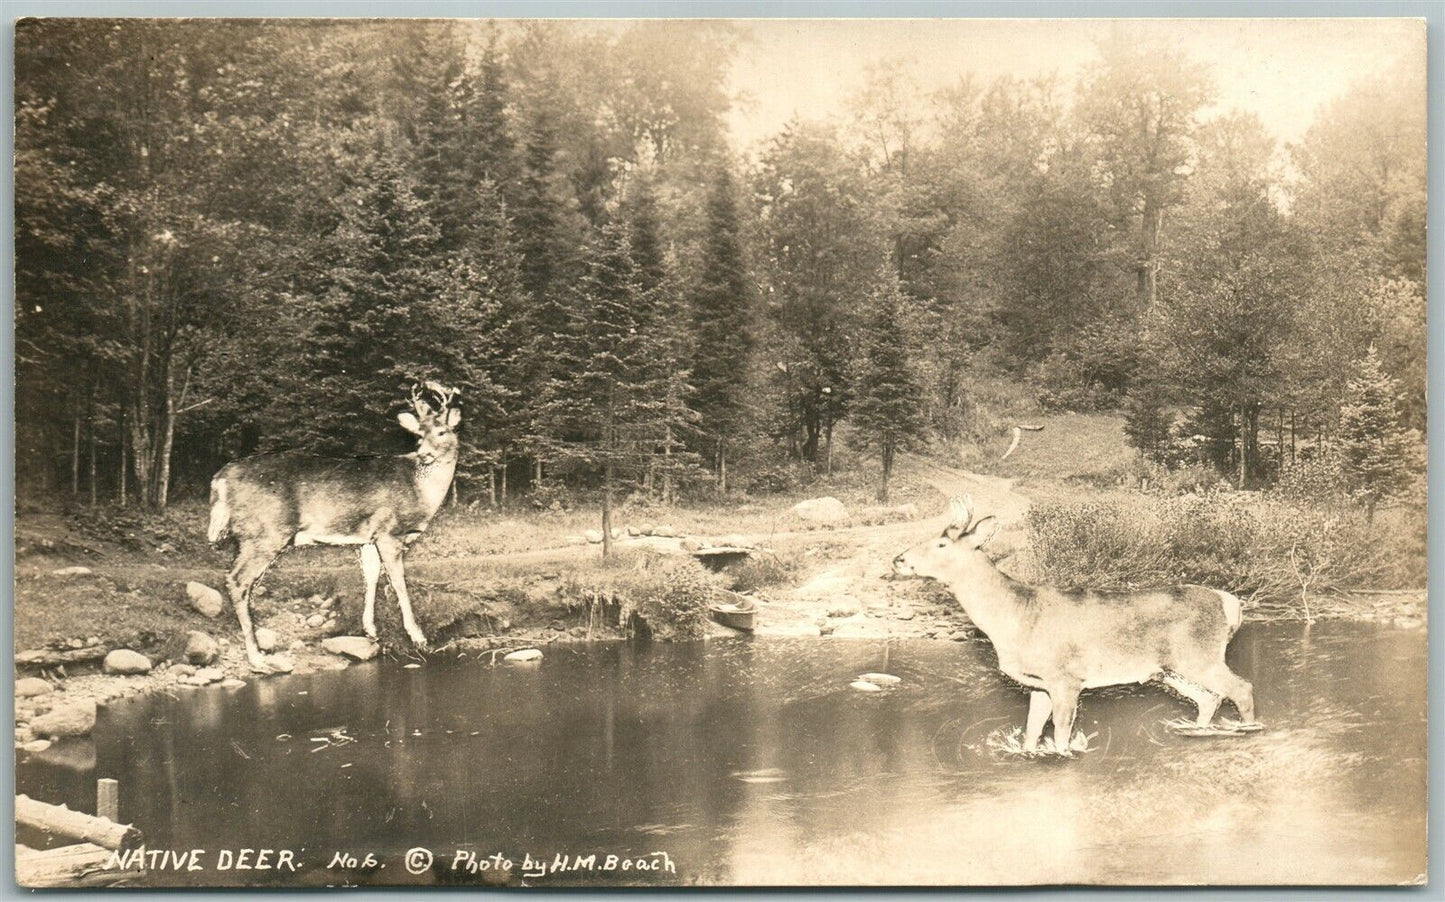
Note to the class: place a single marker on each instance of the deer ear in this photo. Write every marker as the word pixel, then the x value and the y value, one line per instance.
pixel 454 417
pixel 409 422
pixel 983 531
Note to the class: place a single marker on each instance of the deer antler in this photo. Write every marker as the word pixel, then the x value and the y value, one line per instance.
pixel 962 509
pixel 444 394
pixel 418 403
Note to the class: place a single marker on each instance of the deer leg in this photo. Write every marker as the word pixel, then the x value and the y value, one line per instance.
pixel 1205 700
pixel 390 550
pixel 1038 716
pixel 371 572
pixel 1065 701
pixel 1223 681
pixel 251 561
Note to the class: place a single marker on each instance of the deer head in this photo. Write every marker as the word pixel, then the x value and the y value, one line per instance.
pixel 434 426
pixel 962 537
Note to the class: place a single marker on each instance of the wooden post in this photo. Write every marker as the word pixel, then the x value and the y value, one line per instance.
pixel 107 799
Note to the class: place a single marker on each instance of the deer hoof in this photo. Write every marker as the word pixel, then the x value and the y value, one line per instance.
pixel 259 665
pixel 418 639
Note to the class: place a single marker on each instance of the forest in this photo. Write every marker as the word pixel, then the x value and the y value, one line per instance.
pixel 247 236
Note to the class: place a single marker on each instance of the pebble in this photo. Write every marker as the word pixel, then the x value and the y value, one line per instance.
pixel 315 621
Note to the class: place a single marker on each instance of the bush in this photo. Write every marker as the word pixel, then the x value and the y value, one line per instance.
pixel 1271 552
pixel 653 595
pixel 762 570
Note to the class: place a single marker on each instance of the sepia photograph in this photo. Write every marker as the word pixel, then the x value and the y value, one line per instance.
pixel 650 453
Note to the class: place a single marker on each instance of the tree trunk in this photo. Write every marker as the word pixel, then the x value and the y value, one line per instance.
pixel 667 470
pixel 93 487
pixel 504 478
pixel 887 472
pixel 75 458
pixel 123 462
pixel 492 486
pixel 1243 453
pixel 722 467
pixel 607 510
pixel 161 491
pixel 537 475
pixel 1148 278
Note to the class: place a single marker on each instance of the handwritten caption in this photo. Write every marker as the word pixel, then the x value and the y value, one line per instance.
pixel 415 861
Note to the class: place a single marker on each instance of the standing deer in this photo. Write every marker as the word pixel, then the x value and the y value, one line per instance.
pixel 270 502
pixel 1058 643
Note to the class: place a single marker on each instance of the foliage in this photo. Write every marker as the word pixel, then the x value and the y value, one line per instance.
pixel 888 410
pixel 1375 458
pixel 663 597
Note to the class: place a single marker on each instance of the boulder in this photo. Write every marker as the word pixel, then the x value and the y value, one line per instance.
pixel 266 639
pixel 594 536
pixel 691 544
pixel 182 669
pixel 646 529
pixel 664 532
pixel 200 648
pixel 633 531
pixel 72 571
pixel 358 648
pixel 316 621
pixel 75 718
pixel 127 662
pixel 825 511
pixel 30 687
pixel 907 511
pixel 524 656
pixel 205 600
pixel 207 675
pixel 905 614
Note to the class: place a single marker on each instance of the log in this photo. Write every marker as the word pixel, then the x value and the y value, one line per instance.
pixel 81 865
pixel 57 820
pixel 45 657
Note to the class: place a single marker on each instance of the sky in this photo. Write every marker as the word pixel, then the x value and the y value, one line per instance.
pixel 1281 69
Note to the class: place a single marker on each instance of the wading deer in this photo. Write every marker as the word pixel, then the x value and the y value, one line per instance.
pixel 1058 643
pixel 270 502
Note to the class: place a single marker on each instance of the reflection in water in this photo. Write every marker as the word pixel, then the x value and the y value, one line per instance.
pixel 751 762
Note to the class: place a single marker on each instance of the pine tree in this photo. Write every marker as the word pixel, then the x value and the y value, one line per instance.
pixel 723 326
pixel 1373 443
pixel 607 405
pixel 888 407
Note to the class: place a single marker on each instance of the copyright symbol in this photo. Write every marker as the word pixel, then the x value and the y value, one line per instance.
pixel 418 860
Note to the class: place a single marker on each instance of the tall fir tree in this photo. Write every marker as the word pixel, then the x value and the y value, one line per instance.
pixel 723 326
pixel 606 407
pixel 888 407
pixel 1373 445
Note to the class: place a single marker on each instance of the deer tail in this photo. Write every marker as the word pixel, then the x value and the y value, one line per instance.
pixel 1233 610
pixel 220 511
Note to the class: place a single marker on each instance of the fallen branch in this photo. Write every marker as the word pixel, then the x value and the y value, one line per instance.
pixel 44 657
pixel 1018 434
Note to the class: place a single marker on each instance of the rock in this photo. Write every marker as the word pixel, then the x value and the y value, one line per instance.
pixel 200 648
pixel 266 639
pixel 558 625
pixel 821 511
pixel 36 746
pixel 905 614
pixel 578 632
pixel 691 544
pixel 71 571
pixel 259 591
pixel 357 648
pixel 23 734
pixel 907 511
pixel 843 607
pixel 594 536
pixel 205 600
pixel 881 679
pixel 328 604
pixel 125 661
pixel 865 686
pixel 664 532
pixel 316 601
pixel 524 656
pixel 576 540
pixel 71 719
pixel 182 669
pixel 734 541
pixel 76 643
pixel 633 531
pixel 825 628
pixel 30 687
pixel 207 675
pixel 92 641
pixel 646 529
pixel 316 621
pixel 280 664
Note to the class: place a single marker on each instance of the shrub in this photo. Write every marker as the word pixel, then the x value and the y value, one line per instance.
pixel 763 570
pixel 1273 553
pixel 654 595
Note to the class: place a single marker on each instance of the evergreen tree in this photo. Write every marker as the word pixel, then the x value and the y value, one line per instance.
pixel 888 405
pixel 723 328
pixel 606 406
pixel 1373 443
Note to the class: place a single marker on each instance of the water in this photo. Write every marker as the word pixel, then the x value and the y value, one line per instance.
pixel 752 762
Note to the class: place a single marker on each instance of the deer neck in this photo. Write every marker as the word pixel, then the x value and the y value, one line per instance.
pixel 434 480
pixel 993 601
